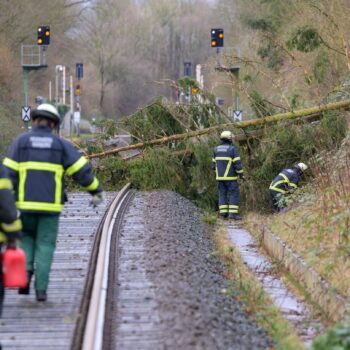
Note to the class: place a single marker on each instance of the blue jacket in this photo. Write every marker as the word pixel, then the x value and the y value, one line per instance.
pixel 227 162
pixel 37 163
pixel 9 223
pixel 285 181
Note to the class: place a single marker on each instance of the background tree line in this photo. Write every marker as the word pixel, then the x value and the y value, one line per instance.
pixel 291 54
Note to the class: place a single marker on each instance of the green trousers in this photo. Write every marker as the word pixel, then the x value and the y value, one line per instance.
pixel 39 243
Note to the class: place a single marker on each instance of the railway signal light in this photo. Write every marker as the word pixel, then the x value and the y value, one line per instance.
pixel 79 70
pixel 217 37
pixel 77 90
pixel 43 35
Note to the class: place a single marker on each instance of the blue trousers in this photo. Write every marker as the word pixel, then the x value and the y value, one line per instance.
pixel 228 197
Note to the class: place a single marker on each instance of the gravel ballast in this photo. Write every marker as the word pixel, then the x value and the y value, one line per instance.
pixel 189 279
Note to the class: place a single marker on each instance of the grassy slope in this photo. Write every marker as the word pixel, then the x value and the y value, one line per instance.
pixel 317 224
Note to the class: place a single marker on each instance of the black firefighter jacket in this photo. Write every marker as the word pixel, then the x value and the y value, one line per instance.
pixel 285 181
pixel 37 162
pixel 9 224
pixel 227 162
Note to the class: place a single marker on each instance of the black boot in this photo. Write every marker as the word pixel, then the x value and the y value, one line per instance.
pixel 26 289
pixel 234 216
pixel 41 295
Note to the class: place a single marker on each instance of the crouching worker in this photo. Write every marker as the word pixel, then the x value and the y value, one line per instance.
pixel 228 169
pixel 284 184
pixel 37 162
pixel 10 225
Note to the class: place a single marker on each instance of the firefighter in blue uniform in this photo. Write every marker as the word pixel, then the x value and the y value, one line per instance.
pixel 10 225
pixel 228 169
pixel 283 184
pixel 37 163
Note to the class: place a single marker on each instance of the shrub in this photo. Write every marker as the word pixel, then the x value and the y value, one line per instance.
pixel 337 338
pixel 159 168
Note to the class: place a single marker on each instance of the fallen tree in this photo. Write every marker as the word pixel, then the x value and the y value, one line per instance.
pixel 235 125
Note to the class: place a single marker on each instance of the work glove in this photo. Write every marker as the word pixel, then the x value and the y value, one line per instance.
pixel 97 199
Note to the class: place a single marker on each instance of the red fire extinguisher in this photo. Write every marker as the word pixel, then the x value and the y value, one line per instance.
pixel 14 267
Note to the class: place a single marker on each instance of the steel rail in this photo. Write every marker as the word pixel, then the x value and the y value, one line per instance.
pixel 92 338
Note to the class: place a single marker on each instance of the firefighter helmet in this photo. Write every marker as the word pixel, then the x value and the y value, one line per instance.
pixel 226 135
pixel 47 111
pixel 301 166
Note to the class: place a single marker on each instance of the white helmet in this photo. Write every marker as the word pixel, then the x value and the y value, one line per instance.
pixel 301 166
pixel 226 135
pixel 48 111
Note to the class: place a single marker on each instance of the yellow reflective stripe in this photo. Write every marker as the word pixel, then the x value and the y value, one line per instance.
pixel 213 160
pixel 13 227
pixel 278 183
pixel 40 166
pixel 223 158
pixel 227 178
pixel 58 182
pixel 43 206
pixel 285 180
pixel 228 167
pixel 5 184
pixel 11 164
pixel 239 171
pixel 21 184
pixel 236 159
pixel 277 189
pixel 2 237
pixel 292 184
pixel 284 176
pixel 233 210
pixel 75 167
pixel 223 206
pixel 233 206
pixel 93 186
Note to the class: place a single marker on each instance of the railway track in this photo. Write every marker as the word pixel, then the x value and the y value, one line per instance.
pixel 163 291
pixel 27 324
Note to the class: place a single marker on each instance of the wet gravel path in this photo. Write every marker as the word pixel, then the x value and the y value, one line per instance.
pixel 189 280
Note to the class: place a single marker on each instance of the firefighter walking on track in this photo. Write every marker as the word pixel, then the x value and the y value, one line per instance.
pixel 37 163
pixel 228 169
pixel 10 225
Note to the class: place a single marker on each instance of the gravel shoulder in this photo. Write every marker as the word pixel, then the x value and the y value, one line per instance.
pixel 189 280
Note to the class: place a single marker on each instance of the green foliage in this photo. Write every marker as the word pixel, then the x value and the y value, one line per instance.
pixel 272 54
pixel 334 128
pixel 260 105
pixel 336 338
pixel 282 146
pixel 158 169
pixel 203 187
pixel 113 173
pixel 62 110
pixel 294 101
pixel 108 128
pixel 321 66
pixel 304 39
pixel 153 122
pixel 263 24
